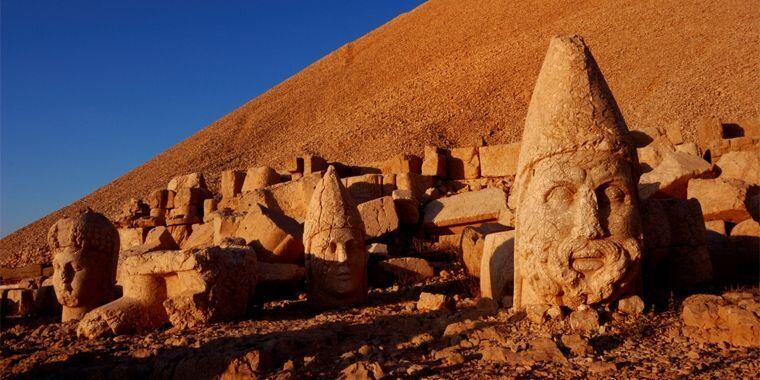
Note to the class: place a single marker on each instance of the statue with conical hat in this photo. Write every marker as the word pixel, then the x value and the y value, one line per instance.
pixel 578 232
pixel 333 238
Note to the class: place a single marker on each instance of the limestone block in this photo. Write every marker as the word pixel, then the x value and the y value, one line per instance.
pixel 225 225
pixel 402 163
pixel 365 187
pixel 644 136
pixel 291 198
pixel 740 165
pixel 401 270
pixel 259 177
pixel 158 199
pixel 19 302
pixel 130 237
pixel 313 164
pixel 434 162
pixel 708 130
pixel 202 236
pixel 276 237
pixel 170 199
pixel 209 206
pixel 471 245
pixel 497 266
pixel 721 199
pixel 674 134
pixel 417 184
pixel 161 239
pixel 407 206
pixel 688 148
pixel 180 233
pixel 232 183
pixel 185 288
pixel 466 208
pixel 463 163
pixel 389 184
pixel 745 241
pixel 188 197
pixel 187 181
pixel 379 217
pixel 499 160
pixel 45 301
pixel 295 165
pixel 671 177
pixel 730 318
pixel 277 273
pixel 433 302
pixel 651 155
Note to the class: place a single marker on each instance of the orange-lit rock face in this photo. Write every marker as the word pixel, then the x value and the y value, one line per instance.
pixel 579 230
pixel 85 251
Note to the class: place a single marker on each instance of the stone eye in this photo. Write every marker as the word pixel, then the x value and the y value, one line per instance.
pixel 333 247
pixel 560 195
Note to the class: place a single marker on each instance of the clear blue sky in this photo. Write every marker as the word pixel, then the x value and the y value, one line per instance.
pixel 92 89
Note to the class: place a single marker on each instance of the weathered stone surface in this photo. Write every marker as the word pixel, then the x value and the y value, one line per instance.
pixel 577 344
pixel 651 155
pixel 471 245
pixel 544 350
pixel 674 133
pixel 277 273
pixel 671 177
pixel 433 302
pixel 276 237
pixel 499 160
pixel 209 206
pixel 403 270
pixel 365 187
pixel 202 235
pixel 689 148
pixel 159 238
pixel 466 208
pixel 336 256
pixel 578 237
pixel 158 199
pixel 363 370
pixel 17 302
pixel 675 244
pixel 731 318
pixel 180 233
pixel 632 305
pixel 259 177
pixel 379 217
pixel 184 288
pixel 708 130
pixel 407 207
pixel 463 163
pixel 85 251
pixel 250 365
pixel 740 165
pixel 187 181
pixel 232 183
pixel 586 320
pixel 291 198
pixel 745 252
pixel 402 163
pixel 721 199
pixel 131 237
pixel 434 162
pixel 417 184
pixel 497 265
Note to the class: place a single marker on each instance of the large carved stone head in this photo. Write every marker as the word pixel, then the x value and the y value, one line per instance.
pixel 85 252
pixel 336 256
pixel 578 233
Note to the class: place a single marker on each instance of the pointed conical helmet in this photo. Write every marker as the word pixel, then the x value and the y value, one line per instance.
pixel 572 109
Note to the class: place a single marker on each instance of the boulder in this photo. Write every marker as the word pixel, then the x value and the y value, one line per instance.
pixel 402 163
pixel 471 245
pixel 379 217
pixel 731 318
pixel 586 320
pixel 499 160
pixel 688 148
pixel 497 265
pixel 402 270
pixel 407 207
pixel 202 235
pixel 275 236
pixel 744 166
pixel 708 130
pixel 131 237
pixel 433 302
pixel 365 187
pixel 187 181
pixel 417 184
pixel 259 177
pixel 364 370
pixel 463 163
pixel 232 183
pixel 671 177
pixel 651 155
pixel 180 233
pixel 158 199
pixel 721 199
pixel 674 133
pixel 159 238
pixel 434 162
pixel 632 305
pixel 466 208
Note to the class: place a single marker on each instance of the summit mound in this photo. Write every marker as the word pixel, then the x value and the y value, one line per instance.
pixel 457 73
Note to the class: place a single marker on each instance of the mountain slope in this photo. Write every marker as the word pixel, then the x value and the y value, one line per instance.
pixel 454 73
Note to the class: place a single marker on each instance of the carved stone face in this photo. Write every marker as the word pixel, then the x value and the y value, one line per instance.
pixel 338 262
pixel 78 279
pixel 579 229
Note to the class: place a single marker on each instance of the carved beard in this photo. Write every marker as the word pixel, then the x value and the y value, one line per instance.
pixel 581 271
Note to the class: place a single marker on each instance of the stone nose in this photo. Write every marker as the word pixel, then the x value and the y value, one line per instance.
pixel 587 222
pixel 340 253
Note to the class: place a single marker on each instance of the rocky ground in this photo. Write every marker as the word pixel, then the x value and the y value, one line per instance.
pixel 472 339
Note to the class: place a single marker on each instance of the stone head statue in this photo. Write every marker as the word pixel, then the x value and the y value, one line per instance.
pixel 578 233
pixel 85 252
pixel 336 256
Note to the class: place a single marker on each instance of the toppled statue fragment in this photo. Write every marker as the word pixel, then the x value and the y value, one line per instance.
pixel 336 257
pixel 578 233
pixel 184 288
pixel 85 252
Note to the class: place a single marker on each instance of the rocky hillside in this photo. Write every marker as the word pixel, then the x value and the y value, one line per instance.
pixel 455 73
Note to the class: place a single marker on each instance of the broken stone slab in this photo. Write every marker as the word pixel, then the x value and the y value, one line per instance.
pixel 278 273
pixel 407 207
pixel 497 265
pixel 232 183
pixel 730 318
pixel 463 163
pixel 466 208
pixel 499 160
pixel 259 177
pixel 471 245
pixel 180 233
pixel 721 199
pixel 17 302
pixel 671 177
pixel 276 237
pixel 402 163
pixel 379 217
pixel 417 184
pixel 402 270
pixel 209 205
pixel 202 235
pixel 365 187
pixel 651 155
pixel 688 148
pixel 744 166
pixel 433 302
pixel 709 129
pixel 434 162
pixel 187 181
pixel 158 199
pixel 674 133
pixel 290 198
pixel 131 237
pixel 225 225
pixel 159 238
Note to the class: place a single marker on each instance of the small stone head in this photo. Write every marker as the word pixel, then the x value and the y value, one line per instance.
pixel 336 257
pixel 85 252
pixel 578 238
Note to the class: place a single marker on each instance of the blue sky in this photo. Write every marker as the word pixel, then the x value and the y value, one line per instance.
pixel 92 89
